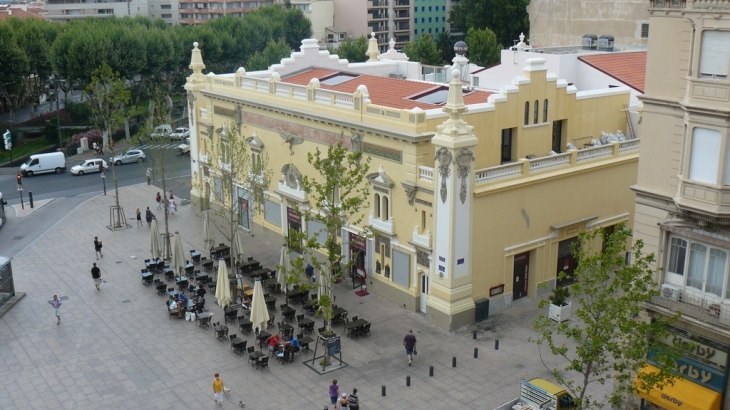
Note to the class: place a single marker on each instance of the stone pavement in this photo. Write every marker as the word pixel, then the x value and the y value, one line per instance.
pixel 117 348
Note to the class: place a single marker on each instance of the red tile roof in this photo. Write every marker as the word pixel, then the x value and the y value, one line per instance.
pixel 17 13
pixel 388 92
pixel 629 68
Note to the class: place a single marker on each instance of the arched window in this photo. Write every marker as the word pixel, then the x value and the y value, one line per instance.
pixel 544 110
pixel 527 112
pixel 537 112
pixel 376 204
pixel 385 208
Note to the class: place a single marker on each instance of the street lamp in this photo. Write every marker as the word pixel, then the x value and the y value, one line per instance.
pixel 57 97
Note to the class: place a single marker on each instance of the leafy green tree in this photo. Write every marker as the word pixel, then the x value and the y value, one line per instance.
pixel 445 44
pixel 484 50
pixel 298 27
pixel 272 54
pixel 423 50
pixel 352 49
pixel 606 340
pixel 506 18
pixel 14 66
pixel 31 40
pixel 109 96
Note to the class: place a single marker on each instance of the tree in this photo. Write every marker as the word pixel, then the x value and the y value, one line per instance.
pixel 483 47
pixel 352 49
pixel 338 191
pixel 13 64
pixel 423 50
pixel 506 18
pixel 272 54
pixel 297 26
pixel 445 44
pixel 109 96
pixel 32 41
pixel 610 342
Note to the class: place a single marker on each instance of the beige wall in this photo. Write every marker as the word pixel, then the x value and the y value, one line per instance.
pixel 352 17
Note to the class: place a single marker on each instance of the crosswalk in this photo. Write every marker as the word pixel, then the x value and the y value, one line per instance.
pixel 157 146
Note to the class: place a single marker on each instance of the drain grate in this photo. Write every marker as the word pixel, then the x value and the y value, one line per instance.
pixel 17 238
pixel 64 298
pixel 126 301
pixel 118 262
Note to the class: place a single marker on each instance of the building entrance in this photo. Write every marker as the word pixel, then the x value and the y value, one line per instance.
pixel 521 275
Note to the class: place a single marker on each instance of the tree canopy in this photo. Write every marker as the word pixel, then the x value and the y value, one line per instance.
pixel 506 18
pixel 423 50
pixel 484 50
pixel 352 49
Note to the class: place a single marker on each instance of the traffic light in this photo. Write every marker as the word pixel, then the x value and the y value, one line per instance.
pixel 6 139
pixel 19 179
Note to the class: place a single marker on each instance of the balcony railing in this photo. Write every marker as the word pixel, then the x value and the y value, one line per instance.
pixel 704 310
pixel 425 174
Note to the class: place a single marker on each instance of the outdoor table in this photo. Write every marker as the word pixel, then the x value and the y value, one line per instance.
pixel 352 326
pixel 181 278
pixel 305 323
pixel 262 336
pixel 172 293
pixel 293 294
pixel 271 283
pixel 208 265
pixel 339 312
pixel 203 318
pixel 287 309
pixel 168 271
pixel 151 264
pixel 305 341
pixel 195 256
pixel 286 328
pixel 147 274
pixel 260 273
pixel 248 292
pixel 189 268
pixel 249 266
pixel 236 342
pixel 201 277
pixel 219 251
pixel 244 322
pixel 256 355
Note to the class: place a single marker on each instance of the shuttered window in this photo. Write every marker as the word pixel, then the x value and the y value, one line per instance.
pixel 715 54
pixel 705 158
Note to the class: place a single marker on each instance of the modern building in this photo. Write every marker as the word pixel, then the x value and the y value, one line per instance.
pixel 194 12
pixel 322 15
pixel 429 16
pixel 682 192
pixel 476 196
pixel 63 10
pixel 565 22
pixel 388 19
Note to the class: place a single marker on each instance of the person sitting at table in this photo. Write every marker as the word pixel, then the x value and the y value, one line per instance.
pixel 284 353
pixel 295 344
pixel 246 302
pixel 273 341
pixel 201 291
pixel 174 306
pixel 181 297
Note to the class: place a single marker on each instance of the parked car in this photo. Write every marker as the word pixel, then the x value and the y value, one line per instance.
pixel 184 148
pixel 162 131
pixel 88 166
pixel 180 133
pixel 133 155
pixel 44 163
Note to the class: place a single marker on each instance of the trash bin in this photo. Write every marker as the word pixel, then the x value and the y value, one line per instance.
pixel 79 150
pixel 482 310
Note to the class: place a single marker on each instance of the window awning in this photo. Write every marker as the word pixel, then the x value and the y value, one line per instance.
pixel 683 395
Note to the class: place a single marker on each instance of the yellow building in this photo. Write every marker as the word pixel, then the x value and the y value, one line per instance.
pixel 475 195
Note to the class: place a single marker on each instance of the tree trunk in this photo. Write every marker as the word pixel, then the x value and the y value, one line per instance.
pixel 126 130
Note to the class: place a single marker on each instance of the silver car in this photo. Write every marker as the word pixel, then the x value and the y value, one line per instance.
pixel 133 155
pixel 88 166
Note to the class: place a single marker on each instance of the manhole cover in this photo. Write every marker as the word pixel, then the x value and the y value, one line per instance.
pixel 126 301
pixel 64 298
pixel 118 262
pixel 17 238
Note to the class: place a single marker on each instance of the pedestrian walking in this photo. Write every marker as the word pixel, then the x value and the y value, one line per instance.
pixel 149 175
pixel 353 401
pixel 334 392
pixel 173 205
pixel 342 402
pixel 159 201
pixel 410 343
pixel 96 274
pixel 56 303
pixel 97 247
pixel 219 388
pixel 148 216
pixel 139 218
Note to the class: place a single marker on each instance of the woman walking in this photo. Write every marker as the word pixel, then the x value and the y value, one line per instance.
pixel 139 218
pixel 334 392
pixel 173 205
pixel 159 201
pixel 148 216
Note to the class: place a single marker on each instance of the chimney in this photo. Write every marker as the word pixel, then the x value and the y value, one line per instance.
pixel 10 12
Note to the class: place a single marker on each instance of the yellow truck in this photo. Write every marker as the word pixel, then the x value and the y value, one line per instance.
pixel 540 394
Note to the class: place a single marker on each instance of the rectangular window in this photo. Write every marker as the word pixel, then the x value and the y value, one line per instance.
pixel 706 267
pixel 423 19
pixel 430 8
pixel 243 206
pixel 507 145
pixel 401 268
pixel 272 212
pixel 645 30
pixel 696 271
pixel 218 189
pixel 715 54
pixel 318 229
pixel 677 256
pixel 166 7
pixel 705 156
pixel 430 19
pixel 166 16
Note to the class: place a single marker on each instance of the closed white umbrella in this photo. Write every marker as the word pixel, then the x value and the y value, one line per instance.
pixel 155 240
pixel 223 287
pixel 285 263
pixel 208 238
pixel 178 256
pixel 259 313
pixel 237 248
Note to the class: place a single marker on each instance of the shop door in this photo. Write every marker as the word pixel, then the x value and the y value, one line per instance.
pixel 566 262
pixel 521 270
pixel 424 291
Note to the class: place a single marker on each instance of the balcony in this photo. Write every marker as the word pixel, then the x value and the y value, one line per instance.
pixel 704 198
pixel 377 4
pixel 704 310
pixel 425 174
pixel 402 14
pixel 377 16
pixel 403 27
pixel 385 227
pixel 422 239
pixel 402 4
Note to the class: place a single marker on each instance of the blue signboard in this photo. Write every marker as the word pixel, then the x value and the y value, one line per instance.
pixel 442 259
pixel 460 261
pixel 441 268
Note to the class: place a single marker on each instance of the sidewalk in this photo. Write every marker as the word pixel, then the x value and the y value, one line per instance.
pixel 118 348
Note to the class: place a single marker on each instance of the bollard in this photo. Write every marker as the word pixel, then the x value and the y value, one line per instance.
pixel 496 344
pixel 474 334
pixel 476 352
pixel 430 371
pixel 453 361
pixel 408 381
pixel 30 198
pixel 383 390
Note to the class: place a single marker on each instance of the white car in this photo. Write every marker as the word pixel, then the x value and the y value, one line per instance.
pixel 133 155
pixel 162 131
pixel 184 148
pixel 180 133
pixel 88 166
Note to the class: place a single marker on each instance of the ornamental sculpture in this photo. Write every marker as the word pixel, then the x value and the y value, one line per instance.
pixel 444 157
pixel 463 163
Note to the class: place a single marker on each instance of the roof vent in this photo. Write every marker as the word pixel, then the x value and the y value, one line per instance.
pixel 590 42
pixel 398 76
pixel 605 43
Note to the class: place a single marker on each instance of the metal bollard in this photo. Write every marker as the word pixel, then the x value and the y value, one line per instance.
pixel 496 344
pixel 30 198
pixel 453 361
pixel 430 371
pixel 474 334
pixel 476 352
pixel 408 381
pixel 383 390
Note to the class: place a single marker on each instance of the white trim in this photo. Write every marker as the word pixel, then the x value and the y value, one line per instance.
pixel 529 244
pixel 604 92
pixel 608 221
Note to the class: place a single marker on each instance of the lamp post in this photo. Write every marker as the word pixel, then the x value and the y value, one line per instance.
pixel 57 97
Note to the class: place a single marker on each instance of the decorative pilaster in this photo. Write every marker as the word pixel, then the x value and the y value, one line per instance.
pixel 195 83
pixel 450 304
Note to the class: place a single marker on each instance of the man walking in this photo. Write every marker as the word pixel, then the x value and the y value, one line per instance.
pixel 96 274
pixel 410 343
pixel 353 401
pixel 149 175
pixel 56 303
pixel 97 247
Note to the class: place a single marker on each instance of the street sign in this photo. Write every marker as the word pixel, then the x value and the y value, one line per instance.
pixel 333 346
pixel 6 139
pixel 20 188
pixel 103 174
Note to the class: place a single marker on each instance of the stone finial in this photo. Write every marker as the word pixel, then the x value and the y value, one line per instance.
pixel 196 60
pixel 455 102
pixel 522 37
pixel 373 51
pixel 391 44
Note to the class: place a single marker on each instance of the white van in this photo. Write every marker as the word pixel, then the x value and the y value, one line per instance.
pixel 44 163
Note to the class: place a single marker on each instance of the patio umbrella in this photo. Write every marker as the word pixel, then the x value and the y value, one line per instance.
pixel 178 256
pixel 208 238
pixel 259 313
pixel 155 240
pixel 282 273
pixel 223 287
pixel 237 248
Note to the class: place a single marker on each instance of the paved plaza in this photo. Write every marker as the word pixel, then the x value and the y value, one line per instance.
pixel 117 348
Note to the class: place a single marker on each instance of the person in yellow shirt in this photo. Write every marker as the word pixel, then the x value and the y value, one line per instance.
pixel 218 389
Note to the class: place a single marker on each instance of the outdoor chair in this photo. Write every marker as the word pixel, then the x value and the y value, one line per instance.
pixel 231 316
pixel 171 313
pixel 250 351
pixel 246 328
pixel 366 329
pixel 169 275
pixel 221 335
pixel 231 337
pixel 354 318
pixel 310 309
pixel 242 315
pixel 289 316
pixel 270 323
pixel 309 327
pixel 263 362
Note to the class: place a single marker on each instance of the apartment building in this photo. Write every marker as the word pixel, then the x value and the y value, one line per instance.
pixel 66 10
pixel 475 198
pixel 199 12
pixel 683 191
pixel 388 19
pixel 322 15
pixel 429 16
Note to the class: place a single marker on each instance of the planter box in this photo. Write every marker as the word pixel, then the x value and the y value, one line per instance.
pixel 560 313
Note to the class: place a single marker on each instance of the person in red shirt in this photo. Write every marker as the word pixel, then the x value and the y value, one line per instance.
pixel 273 341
